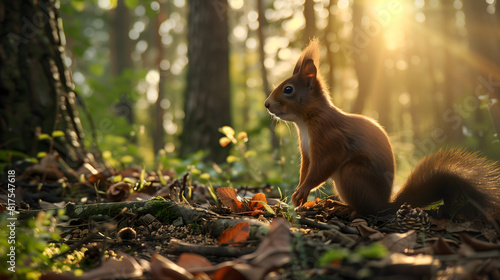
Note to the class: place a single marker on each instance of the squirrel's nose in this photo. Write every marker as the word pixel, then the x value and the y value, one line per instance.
pixel 267 104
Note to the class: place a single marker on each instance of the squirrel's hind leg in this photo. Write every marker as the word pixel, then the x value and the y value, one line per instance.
pixel 364 190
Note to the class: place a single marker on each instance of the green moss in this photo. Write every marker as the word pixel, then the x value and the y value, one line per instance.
pixel 163 212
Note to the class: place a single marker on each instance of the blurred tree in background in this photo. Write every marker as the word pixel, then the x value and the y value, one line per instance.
pixel 207 99
pixel 160 77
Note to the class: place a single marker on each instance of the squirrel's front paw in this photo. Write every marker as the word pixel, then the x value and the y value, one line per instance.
pixel 299 197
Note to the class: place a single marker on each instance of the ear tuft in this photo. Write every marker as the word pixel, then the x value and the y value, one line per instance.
pixel 310 52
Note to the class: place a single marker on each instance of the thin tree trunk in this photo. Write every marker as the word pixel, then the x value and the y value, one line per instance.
pixel 120 55
pixel 207 99
pixel 159 131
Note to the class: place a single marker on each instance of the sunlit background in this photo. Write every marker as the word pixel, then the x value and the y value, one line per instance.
pixel 428 71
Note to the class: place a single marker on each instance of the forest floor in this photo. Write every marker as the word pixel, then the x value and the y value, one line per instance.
pixel 135 224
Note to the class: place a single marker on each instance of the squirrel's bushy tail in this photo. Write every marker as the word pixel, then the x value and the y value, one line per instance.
pixel 468 184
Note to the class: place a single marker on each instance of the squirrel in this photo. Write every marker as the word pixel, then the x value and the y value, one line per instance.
pixel 356 152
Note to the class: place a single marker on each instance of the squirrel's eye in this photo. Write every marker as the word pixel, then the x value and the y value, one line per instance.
pixel 288 90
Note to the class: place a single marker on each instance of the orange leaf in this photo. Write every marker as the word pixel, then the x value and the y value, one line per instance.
pixel 239 233
pixel 309 204
pixel 237 206
pixel 190 261
pixel 254 202
pixel 317 200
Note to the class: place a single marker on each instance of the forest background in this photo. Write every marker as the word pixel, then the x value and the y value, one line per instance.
pixel 428 71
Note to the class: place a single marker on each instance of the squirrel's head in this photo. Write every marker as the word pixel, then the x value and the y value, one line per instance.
pixel 295 97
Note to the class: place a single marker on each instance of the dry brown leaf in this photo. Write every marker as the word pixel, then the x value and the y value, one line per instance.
pixel 441 247
pixel 369 232
pixel 237 234
pixel 228 272
pixel 438 224
pixel 230 199
pixel 118 192
pixel 165 269
pixel 274 250
pixel 46 167
pixel 125 266
pixel 241 271
pixel 400 242
pixel 194 261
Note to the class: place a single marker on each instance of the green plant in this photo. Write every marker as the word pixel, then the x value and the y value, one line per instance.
pixel 27 249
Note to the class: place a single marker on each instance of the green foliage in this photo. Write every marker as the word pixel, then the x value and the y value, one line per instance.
pixel 34 252
pixel 374 250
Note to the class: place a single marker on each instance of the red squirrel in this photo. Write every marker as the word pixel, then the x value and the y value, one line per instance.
pixel 355 151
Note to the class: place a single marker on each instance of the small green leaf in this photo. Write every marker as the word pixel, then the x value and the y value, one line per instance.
pixel 212 192
pixel 57 133
pixel 43 136
pixel 205 176
pixel 333 255
pixel 160 177
pixel 127 159
pixel 250 153
pixel 141 179
pixel 231 159
pixel 266 206
pixel 41 154
pixel 373 251
pixel 117 178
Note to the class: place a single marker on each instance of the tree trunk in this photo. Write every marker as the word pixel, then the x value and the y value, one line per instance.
pixel 310 17
pixel 159 131
pixel 207 102
pixel 35 85
pixel 121 49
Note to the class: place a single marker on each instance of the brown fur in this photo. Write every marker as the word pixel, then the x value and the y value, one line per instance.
pixel 356 152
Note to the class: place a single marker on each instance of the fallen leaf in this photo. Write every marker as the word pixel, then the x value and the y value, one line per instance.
pixel 274 250
pixel 124 266
pixel 441 247
pixel 165 269
pixel 369 232
pixel 230 199
pixel 194 261
pixel 309 204
pixel 118 192
pixel 237 234
pixel 256 202
pixel 228 272
pixel 241 271
pixel 400 242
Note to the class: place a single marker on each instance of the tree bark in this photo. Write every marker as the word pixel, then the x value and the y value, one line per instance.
pixel 310 17
pixel 35 84
pixel 207 98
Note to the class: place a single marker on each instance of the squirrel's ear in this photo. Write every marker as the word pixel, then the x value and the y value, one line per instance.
pixel 308 69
